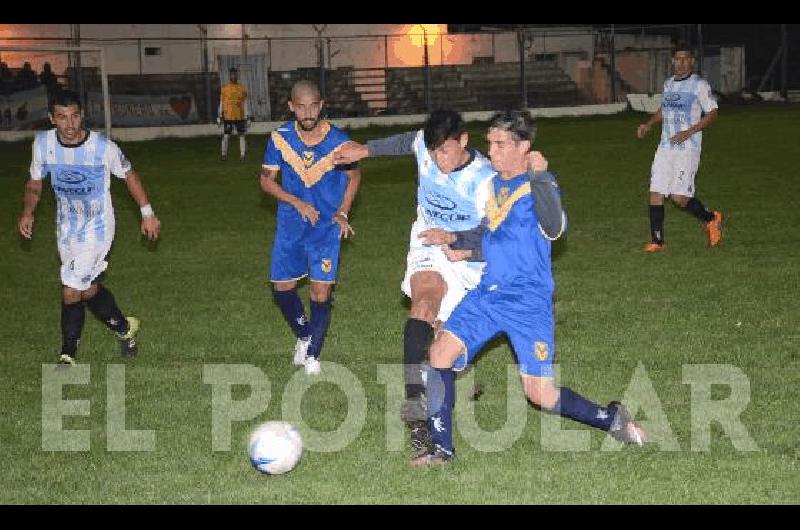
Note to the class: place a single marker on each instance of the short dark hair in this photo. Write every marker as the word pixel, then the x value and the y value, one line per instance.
pixel 64 98
pixel 682 46
pixel 233 69
pixel 443 125
pixel 520 123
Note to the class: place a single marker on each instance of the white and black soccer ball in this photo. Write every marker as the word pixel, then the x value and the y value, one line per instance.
pixel 275 447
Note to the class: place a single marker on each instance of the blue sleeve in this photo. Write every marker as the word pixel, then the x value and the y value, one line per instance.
pixel 272 157
pixel 471 240
pixel 397 145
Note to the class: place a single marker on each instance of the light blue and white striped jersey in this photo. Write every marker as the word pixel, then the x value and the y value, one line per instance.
pixel 455 201
pixel 81 179
pixel 682 105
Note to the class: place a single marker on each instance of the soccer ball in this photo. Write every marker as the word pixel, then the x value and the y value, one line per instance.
pixel 275 447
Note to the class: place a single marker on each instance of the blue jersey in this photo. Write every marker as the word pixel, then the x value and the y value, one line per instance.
pixel 453 201
pixel 682 105
pixel 516 252
pixel 81 179
pixel 308 171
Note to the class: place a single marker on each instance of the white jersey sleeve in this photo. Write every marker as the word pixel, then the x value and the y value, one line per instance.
pixel 37 170
pixel 116 162
pixel 705 96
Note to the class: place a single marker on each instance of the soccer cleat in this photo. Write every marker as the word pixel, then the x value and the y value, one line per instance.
pixel 714 228
pixel 128 346
pixel 435 456
pixel 654 247
pixel 312 366
pixel 224 158
pixel 421 440
pixel 623 429
pixel 301 350
pixel 65 360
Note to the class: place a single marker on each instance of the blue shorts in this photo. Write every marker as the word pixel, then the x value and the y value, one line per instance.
pixel 525 316
pixel 304 250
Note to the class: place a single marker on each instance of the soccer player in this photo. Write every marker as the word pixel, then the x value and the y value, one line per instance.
pixel 514 296
pixel 687 107
pixel 451 196
pixel 234 112
pixel 79 163
pixel 315 196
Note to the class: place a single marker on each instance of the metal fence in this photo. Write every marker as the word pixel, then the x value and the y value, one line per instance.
pixel 176 80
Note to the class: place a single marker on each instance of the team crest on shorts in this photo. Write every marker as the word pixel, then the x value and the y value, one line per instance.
pixel 327 265
pixel 540 349
pixel 308 158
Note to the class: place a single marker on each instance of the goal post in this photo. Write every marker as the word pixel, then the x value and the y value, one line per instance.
pixel 51 50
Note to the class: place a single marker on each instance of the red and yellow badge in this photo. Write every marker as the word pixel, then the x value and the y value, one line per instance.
pixel 540 349
pixel 308 158
pixel 327 265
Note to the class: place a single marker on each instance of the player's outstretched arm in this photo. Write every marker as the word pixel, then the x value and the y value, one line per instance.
pixel 457 246
pixel 396 145
pixel 151 226
pixel 30 199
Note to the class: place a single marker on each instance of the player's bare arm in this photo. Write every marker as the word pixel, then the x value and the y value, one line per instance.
pixel 704 122
pixel 341 217
pixel 644 128
pixel 33 192
pixel 151 226
pixel 269 184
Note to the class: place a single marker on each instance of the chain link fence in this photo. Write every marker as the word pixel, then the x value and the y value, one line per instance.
pixel 162 81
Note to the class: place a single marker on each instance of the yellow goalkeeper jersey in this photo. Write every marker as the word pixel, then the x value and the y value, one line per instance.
pixel 232 97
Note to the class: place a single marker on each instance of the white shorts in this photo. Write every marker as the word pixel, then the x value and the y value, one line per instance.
pixel 459 276
pixel 673 171
pixel 82 263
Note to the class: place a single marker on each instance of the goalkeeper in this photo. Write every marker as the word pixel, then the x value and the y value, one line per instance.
pixel 233 113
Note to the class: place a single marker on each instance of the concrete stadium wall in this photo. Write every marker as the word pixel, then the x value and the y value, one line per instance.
pixel 137 134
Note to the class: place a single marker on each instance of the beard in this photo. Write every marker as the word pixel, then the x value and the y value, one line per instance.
pixel 308 124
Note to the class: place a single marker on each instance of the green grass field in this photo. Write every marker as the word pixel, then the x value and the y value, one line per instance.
pixel 202 295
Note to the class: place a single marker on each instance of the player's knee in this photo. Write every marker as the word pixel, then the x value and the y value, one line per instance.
pixel 679 200
pixel 425 306
pixel 320 292
pixel 90 293
pixel 70 295
pixel 541 392
pixel 284 286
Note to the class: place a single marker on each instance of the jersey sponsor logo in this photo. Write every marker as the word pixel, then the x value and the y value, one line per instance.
pixel 540 349
pixel 74 191
pixel 326 265
pixel 672 96
pixel 440 201
pixel 447 217
pixel 71 177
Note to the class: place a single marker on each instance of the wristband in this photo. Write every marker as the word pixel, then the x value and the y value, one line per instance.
pixel 147 211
